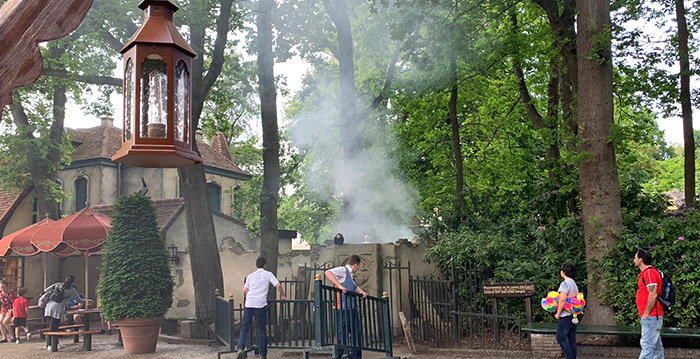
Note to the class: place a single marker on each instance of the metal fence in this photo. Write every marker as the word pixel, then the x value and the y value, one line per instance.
pixel 329 321
pixel 432 304
pixel 295 288
pixel 225 324
pixel 453 312
pixel 349 321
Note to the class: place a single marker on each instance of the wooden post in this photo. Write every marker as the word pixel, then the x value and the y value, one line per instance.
pixel 407 332
pixel 528 309
pixel 496 328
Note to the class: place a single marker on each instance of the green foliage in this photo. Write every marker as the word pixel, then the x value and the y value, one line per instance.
pixel 668 174
pixel 135 280
pixel 673 239
pixel 515 250
pixel 27 148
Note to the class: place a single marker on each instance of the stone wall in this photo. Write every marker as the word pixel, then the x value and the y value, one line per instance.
pixel 238 253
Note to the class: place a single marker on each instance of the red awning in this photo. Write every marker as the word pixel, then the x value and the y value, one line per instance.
pixel 84 231
pixel 20 242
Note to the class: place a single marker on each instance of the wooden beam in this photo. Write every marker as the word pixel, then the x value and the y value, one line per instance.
pixel 23 25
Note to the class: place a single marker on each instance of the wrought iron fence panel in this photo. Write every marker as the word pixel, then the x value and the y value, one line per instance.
pixel 349 321
pixel 224 323
pixel 454 312
pixel 295 288
pixel 476 331
pixel 289 325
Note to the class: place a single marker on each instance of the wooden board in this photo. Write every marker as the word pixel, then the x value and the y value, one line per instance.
pixel 23 25
pixel 509 290
pixel 407 331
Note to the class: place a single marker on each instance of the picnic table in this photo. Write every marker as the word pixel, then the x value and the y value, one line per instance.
pixel 85 331
pixel 86 313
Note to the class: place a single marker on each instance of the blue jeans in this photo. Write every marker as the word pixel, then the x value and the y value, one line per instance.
pixel 260 315
pixel 566 336
pixel 652 348
pixel 349 332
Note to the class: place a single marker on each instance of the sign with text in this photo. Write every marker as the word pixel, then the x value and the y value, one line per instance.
pixel 509 290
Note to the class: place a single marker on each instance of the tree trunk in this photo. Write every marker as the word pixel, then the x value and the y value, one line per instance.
pixel 349 128
pixel 201 234
pixel 43 170
pixel 456 141
pixel 269 236
pixel 686 108
pixel 562 21
pixel 201 238
pixel 598 178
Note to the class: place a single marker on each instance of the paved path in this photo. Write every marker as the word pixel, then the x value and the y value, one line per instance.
pixel 105 347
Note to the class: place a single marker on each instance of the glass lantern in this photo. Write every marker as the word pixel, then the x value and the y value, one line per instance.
pixel 157 93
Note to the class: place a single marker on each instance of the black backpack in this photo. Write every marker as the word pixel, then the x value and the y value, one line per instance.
pixel 57 293
pixel 667 295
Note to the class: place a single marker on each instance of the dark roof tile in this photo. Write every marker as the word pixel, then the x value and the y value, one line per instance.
pixel 8 201
pixel 105 141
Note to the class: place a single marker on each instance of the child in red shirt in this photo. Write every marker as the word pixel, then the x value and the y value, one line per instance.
pixel 19 308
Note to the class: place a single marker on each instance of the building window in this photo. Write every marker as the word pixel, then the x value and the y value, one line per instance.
pixel 81 198
pixel 12 269
pixel 214 196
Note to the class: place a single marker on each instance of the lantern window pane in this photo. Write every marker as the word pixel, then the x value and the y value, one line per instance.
pixel 182 102
pixel 129 100
pixel 154 98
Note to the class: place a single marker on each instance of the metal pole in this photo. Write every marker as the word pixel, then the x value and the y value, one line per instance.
pixel 46 269
pixel 319 318
pixel 87 270
pixel 387 325
pixel 231 317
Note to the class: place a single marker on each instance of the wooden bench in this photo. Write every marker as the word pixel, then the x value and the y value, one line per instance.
pixel 87 338
pixel 42 331
pixel 544 344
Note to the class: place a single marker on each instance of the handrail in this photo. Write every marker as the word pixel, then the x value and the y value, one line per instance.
pixel 351 321
pixel 332 320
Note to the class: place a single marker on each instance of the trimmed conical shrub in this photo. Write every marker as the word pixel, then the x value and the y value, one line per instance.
pixel 135 279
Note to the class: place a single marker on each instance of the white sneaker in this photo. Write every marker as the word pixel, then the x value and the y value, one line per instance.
pixel 17 341
pixel 29 336
pixel 48 348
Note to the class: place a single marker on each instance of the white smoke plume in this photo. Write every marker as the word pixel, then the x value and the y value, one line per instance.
pixel 381 205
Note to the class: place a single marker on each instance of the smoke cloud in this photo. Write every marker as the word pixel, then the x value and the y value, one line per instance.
pixel 378 203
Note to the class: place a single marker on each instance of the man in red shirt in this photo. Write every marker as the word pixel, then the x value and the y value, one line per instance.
pixel 650 311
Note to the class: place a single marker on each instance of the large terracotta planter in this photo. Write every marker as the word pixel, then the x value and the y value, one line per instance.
pixel 140 336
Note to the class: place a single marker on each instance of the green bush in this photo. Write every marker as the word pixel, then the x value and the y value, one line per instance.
pixel 673 240
pixel 533 247
pixel 515 250
pixel 135 280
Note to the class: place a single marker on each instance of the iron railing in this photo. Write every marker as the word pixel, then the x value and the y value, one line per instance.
pixel 225 324
pixel 329 321
pixel 448 313
pixel 349 321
